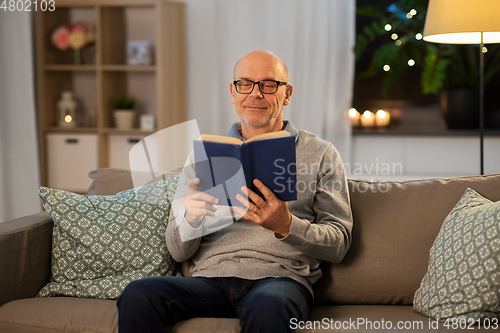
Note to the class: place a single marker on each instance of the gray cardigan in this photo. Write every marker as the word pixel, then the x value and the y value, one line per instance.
pixel 320 230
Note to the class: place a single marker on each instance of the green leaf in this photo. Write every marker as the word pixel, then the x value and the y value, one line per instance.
pixel 370 11
pixel 434 72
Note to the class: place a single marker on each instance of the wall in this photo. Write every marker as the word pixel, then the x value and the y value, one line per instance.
pixel 402 157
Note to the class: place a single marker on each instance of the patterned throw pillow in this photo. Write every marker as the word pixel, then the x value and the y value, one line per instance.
pixel 463 277
pixel 102 243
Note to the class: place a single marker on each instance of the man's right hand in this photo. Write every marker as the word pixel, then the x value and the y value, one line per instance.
pixel 198 204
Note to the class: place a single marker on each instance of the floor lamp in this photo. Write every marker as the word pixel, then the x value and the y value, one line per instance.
pixel 465 22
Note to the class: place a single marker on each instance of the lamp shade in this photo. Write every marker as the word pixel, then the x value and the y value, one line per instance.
pixel 462 21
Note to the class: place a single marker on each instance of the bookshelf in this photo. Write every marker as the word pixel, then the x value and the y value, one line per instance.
pixel 159 88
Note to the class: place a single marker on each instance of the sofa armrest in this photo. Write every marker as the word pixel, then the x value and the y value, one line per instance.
pixel 25 247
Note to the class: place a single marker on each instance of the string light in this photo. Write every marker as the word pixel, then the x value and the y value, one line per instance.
pixel 418 36
pixel 411 62
pixel 485 49
pixel 388 27
pixel 413 12
pixel 394 36
pixel 387 68
pixel 398 42
pixel 409 15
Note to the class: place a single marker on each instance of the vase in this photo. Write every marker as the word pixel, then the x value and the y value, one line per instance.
pixel 124 119
pixel 460 108
pixel 77 57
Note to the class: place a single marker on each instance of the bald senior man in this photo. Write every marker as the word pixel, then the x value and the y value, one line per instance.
pixel 259 269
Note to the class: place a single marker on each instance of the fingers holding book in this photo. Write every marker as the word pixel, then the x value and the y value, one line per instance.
pixel 268 212
pixel 198 204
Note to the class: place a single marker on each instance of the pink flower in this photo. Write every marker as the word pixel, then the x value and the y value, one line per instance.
pixel 75 36
pixel 60 38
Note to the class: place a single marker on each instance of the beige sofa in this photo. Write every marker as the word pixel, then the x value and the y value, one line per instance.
pixel 395 224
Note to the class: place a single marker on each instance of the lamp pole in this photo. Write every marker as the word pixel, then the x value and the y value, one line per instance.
pixel 481 103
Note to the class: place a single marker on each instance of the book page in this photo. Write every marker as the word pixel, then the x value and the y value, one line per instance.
pixel 221 139
pixel 235 141
pixel 271 135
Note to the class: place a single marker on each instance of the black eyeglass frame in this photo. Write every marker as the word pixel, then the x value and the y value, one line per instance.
pixel 278 84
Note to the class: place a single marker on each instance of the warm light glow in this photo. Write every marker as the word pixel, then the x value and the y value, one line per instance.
pixel 398 42
pixel 68 118
pixel 382 118
pixel 386 68
pixel 485 49
pixel 367 119
pixel 388 27
pixel 394 36
pixel 413 12
pixel 354 116
pixel 411 62
pixel 418 36
pixel 464 38
pixel 409 15
pixel 462 21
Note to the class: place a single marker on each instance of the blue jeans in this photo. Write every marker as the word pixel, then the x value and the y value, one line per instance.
pixel 266 305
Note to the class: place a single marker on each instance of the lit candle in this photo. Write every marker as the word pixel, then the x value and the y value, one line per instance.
pixel 354 116
pixel 367 119
pixel 382 118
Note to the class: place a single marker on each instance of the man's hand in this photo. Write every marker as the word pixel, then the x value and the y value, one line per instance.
pixel 198 204
pixel 268 212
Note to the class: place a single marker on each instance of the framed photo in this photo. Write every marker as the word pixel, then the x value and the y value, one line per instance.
pixel 139 52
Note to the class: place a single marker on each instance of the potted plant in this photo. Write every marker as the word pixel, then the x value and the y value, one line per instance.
pixel 124 113
pixel 460 94
pixel 452 70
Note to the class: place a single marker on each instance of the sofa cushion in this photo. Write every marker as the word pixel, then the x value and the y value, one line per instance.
pixel 102 243
pixel 463 278
pixel 59 315
pixel 395 224
pixel 69 314
pixel 109 181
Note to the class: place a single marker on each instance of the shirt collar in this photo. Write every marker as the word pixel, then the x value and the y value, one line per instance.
pixel 235 130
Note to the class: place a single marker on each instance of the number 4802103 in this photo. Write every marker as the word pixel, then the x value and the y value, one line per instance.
pixel 27 5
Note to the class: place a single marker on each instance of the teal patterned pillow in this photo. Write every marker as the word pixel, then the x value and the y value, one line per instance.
pixel 102 243
pixel 463 277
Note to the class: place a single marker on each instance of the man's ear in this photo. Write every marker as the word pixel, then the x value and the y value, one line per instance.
pixel 232 90
pixel 288 94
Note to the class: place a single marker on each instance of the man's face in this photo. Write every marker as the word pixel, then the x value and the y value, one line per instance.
pixel 257 110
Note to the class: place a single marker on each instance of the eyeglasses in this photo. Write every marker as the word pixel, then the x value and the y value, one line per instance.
pixel 265 86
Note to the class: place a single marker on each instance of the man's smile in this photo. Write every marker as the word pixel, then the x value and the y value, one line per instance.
pixel 256 107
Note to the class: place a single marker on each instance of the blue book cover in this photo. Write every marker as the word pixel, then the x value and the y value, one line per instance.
pixel 225 164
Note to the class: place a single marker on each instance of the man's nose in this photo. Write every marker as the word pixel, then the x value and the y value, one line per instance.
pixel 256 91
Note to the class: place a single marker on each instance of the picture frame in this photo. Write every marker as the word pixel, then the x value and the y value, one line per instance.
pixel 139 52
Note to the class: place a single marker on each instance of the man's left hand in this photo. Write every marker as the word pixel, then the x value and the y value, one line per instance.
pixel 268 212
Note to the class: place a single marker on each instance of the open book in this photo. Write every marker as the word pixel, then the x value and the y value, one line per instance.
pixel 224 164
